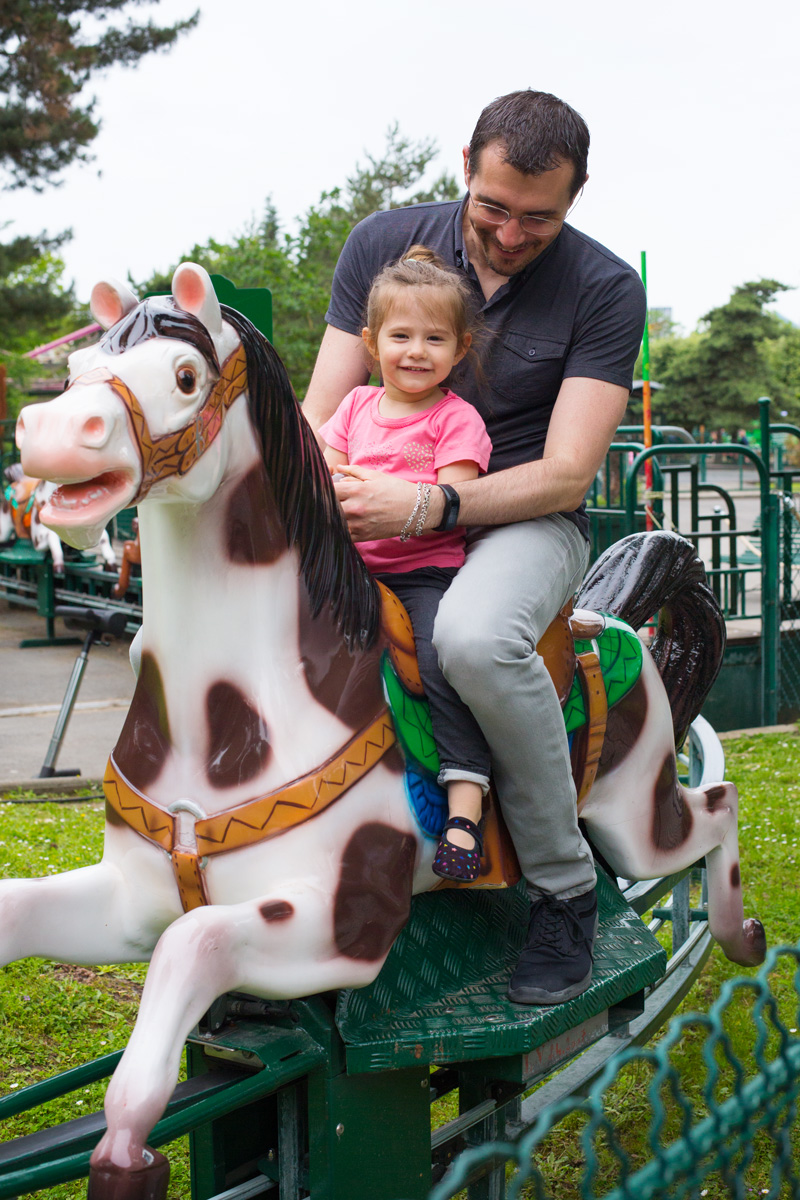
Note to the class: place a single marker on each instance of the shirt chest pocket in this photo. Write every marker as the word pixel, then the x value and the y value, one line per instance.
pixel 528 367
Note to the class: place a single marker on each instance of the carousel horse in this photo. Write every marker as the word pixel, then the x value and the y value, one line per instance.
pixel 23 500
pixel 267 821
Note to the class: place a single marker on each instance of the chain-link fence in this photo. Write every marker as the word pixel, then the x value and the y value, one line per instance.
pixel 735 1135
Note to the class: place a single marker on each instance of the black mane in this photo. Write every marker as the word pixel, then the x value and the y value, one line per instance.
pixel 333 571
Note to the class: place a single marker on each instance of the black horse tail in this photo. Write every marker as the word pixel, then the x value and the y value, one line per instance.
pixel 649 573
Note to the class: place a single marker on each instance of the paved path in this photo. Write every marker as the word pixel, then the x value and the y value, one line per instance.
pixel 32 686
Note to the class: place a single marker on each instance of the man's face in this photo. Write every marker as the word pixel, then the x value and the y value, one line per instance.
pixel 508 249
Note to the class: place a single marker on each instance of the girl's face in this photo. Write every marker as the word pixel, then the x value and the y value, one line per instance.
pixel 416 347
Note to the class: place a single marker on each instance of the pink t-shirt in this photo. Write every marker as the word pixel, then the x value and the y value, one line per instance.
pixel 413 447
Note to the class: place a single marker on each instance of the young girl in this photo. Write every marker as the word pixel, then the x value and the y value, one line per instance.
pixel 417 330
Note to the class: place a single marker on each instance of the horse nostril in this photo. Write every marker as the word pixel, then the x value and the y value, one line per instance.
pixel 20 432
pixel 94 431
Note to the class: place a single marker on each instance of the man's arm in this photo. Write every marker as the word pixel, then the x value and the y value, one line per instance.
pixel 342 364
pixel 582 426
pixel 581 429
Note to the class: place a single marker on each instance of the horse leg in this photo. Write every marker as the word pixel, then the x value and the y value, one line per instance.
pixel 715 813
pixel 647 824
pixel 271 947
pixel 689 824
pixel 89 915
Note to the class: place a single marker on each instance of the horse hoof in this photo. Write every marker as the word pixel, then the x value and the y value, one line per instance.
pixel 751 949
pixel 110 1182
pixel 755 939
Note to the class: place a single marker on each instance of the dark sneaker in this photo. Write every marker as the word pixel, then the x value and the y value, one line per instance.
pixel 556 962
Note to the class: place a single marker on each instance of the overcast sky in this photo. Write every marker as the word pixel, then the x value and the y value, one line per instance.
pixel 693 107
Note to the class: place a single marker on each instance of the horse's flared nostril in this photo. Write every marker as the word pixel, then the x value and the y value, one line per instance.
pixel 20 432
pixel 94 432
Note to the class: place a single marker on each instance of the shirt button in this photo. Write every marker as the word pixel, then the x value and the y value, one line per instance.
pixel 531 352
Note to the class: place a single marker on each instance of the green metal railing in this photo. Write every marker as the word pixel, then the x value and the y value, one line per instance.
pixel 787 586
pixel 753 566
pixel 770 508
pixel 740 1102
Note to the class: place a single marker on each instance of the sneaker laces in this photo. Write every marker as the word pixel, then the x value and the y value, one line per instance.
pixel 557 924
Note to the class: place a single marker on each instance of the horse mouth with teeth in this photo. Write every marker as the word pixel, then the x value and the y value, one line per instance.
pixel 94 500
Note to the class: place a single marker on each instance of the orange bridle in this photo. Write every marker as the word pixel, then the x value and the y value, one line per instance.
pixel 175 453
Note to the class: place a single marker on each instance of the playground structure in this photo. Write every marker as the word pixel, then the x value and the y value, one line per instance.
pixel 493 1053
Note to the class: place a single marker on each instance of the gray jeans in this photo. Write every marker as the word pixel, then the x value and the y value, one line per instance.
pixel 514 581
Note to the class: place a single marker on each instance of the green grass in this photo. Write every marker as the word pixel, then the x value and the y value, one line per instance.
pixel 766 770
pixel 53 1017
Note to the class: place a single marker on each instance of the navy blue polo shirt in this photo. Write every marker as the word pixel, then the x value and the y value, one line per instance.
pixel 576 311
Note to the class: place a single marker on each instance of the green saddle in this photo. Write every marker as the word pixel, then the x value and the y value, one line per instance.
pixel 617 647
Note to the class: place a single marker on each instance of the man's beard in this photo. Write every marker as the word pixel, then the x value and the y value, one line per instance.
pixel 495 262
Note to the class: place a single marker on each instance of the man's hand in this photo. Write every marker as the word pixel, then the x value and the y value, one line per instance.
pixel 378 506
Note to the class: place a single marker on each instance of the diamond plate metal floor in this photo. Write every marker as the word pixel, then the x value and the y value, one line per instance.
pixel 441 996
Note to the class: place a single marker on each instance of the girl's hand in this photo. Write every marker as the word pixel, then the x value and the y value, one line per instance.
pixel 378 505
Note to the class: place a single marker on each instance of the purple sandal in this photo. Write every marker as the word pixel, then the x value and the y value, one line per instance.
pixel 456 862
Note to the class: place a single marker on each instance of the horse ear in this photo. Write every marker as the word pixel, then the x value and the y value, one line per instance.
pixel 194 292
pixel 111 301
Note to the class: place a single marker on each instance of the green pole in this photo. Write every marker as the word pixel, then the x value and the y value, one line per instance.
pixel 647 409
pixel 770 612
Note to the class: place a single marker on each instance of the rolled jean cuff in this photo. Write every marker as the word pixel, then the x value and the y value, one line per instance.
pixel 456 774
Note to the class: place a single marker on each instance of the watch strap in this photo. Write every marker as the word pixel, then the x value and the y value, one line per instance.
pixel 452 503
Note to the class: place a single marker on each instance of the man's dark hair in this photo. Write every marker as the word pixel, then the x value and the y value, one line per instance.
pixel 538 132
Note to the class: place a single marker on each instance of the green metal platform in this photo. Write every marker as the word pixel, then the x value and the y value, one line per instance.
pixel 436 1019
pixel 441 996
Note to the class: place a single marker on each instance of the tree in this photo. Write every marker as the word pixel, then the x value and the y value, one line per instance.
pixel 783 357
pixel 35 305
pixel 715 375
pixel 299 266
pixel 33 298
pixel 46 61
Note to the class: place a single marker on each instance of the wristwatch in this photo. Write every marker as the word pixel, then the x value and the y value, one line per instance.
pixel 452 503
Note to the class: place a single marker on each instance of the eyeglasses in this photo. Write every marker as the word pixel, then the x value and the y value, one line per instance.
pixel 493 215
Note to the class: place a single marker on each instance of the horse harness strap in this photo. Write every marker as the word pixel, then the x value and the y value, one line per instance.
pixel 590 674
pixel 168 454
pixel 22 497
pixel 254 821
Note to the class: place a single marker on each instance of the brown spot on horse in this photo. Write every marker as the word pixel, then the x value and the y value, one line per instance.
pixel 277 910
pixel 373 898
pixel 625 723
pixel 145 740
pixel 713 797
pixel 255 536
pixel 736 878
pixel 672 817
pixel 238 741
pixel 346 682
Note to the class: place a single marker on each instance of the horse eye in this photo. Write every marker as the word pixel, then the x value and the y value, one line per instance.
pixel 187 379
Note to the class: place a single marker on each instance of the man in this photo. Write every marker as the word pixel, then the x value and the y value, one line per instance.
pixel 563 318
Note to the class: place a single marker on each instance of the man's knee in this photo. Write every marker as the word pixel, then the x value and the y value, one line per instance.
pixel 472 648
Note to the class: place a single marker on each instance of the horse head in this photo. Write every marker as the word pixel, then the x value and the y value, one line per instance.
pixel 141 407
pixel 178 394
